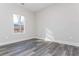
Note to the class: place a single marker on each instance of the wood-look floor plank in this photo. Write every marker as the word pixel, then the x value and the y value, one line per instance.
pixel 36 47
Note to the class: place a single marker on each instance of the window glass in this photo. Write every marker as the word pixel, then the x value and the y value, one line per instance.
pixel 18 23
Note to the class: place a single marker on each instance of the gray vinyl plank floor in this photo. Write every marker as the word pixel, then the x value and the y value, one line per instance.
pixel 36 47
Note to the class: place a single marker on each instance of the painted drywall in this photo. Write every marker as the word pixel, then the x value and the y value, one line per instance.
pixel 60 23
pixel 7 34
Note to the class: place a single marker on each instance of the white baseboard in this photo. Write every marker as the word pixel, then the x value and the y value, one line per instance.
pixel 63 42
pixel 14 41
pixel 59 41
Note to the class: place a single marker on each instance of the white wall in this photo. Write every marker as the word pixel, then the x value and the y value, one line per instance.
pixel 6 23
pixel 59 23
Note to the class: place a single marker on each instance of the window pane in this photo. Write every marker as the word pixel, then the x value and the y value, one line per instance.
pixel 18 23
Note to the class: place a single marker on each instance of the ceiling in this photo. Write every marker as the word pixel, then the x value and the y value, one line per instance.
pixel 35 6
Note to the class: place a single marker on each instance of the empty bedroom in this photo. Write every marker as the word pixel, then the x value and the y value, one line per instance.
pixel 39 29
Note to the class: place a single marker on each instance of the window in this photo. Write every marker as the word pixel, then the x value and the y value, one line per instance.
pixel 18 23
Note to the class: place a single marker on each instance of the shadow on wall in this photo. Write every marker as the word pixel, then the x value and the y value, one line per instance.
pixel 49 35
